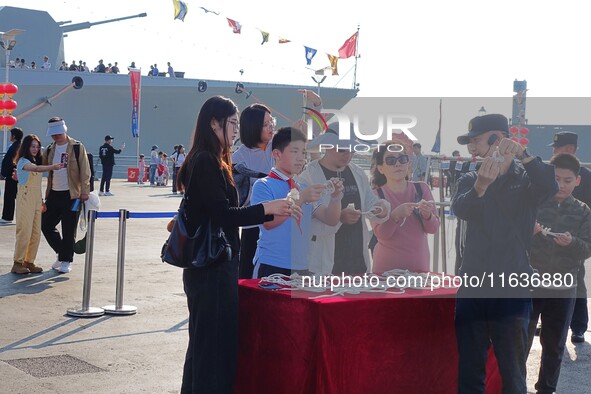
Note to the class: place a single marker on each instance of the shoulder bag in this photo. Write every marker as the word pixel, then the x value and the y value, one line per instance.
pixel 207 246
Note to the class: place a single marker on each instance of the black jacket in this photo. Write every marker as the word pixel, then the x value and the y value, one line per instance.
pixel 500 223
pixel 211 194
pixel 7 162
pixel 107 154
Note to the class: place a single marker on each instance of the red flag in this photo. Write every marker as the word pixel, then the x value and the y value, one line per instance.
pixel 283 41
pixel 333 63
pixel 236 26
pixel 348 48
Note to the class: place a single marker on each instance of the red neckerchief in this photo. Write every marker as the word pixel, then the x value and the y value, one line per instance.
pixel 292 185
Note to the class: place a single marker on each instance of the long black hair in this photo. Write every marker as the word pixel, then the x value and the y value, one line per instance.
pixel 25 150
pixel 205 140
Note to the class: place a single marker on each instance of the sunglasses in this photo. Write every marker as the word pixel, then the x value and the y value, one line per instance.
pixel 392 160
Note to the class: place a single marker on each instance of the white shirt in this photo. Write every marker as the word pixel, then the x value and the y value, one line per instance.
pixel 60 177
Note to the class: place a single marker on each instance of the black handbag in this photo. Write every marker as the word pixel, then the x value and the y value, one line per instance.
pixel 207 246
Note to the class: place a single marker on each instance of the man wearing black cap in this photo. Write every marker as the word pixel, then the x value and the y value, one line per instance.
pixel 499 203
pixel 566 142
pixel 107 155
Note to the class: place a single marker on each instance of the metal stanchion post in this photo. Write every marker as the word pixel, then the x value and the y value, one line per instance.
pixel 442 221
pixel 86 310
pixel 119 308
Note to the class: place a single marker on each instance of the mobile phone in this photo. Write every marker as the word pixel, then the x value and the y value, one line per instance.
pixel 64 160
pixel 269 286
pixel 76 205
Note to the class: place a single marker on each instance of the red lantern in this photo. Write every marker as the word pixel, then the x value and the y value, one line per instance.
pixel 513 129
pixel 2 105
pixel 9 120
pixel 10 89
pixel 524 141
pixel 1 120
pixel 10 105
pixel 2 89
pixel 514 139
pixel 524 131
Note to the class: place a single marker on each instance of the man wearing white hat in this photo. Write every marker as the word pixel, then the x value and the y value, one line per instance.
pixel 342 248
pixel 66 188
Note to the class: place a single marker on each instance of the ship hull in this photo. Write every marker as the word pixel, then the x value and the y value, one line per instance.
pixel 168 112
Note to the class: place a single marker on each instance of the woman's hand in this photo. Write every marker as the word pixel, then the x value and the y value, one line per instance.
pixel 282 208
pixel 426 209
pixel 403 211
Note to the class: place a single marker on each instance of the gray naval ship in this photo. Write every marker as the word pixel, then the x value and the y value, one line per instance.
pixel 95 104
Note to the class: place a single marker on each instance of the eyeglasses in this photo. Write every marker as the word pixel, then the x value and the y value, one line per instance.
pixel 392 160
pixel 235 123
pixel 270 124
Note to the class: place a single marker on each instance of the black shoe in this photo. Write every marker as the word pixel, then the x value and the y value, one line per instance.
pixel 577 338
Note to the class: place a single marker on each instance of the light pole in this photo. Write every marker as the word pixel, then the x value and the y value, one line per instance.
pixel 7 43
pixel 319 81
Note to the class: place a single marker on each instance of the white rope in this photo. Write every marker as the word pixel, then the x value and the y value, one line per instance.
pixel 404 280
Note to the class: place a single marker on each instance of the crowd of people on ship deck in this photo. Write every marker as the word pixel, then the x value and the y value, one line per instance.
pixel 100 68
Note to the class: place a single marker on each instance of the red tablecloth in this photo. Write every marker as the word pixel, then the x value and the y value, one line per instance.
pixel 384 344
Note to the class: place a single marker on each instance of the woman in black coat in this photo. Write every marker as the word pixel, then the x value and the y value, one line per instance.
pixel 212 292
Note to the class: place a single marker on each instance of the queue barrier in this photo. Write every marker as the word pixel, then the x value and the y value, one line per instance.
pixel 85 310
pixel 119 308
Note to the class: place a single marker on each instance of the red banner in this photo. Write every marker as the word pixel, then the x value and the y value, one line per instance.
pixel 136 86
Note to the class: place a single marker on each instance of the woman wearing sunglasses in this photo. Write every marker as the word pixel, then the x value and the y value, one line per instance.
pixel 402 240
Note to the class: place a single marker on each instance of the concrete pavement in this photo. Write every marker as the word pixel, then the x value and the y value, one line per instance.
pixel 42 350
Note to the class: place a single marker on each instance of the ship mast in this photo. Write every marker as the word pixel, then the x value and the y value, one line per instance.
pixel 355 84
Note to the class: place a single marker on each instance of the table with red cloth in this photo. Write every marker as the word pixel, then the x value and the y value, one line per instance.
pixel 378 343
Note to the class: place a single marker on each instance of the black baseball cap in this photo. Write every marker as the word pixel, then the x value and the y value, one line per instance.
pixel 564 138
pixel 482 124
pixel 109 137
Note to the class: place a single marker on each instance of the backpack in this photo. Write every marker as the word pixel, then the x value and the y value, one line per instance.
pixel 242 175
pixel 419 196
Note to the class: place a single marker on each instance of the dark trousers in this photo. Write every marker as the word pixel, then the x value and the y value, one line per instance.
pixel 248 247
pixel 106 178
pixel 175 171
pixel 502 322
pixel 212 298
pixel 555 314
pixel 10 189
pixel 59 209
pixel 580 319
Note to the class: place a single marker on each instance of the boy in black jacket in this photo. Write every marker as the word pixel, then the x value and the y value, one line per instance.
pixel 561 243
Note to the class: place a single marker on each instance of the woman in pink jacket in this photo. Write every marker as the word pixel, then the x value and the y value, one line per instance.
pixel 402 240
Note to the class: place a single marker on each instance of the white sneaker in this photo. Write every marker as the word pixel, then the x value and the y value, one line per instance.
pixel 101 193
pixel 5 222
pixel 109 194
pixel 65 267
pixel 56 265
